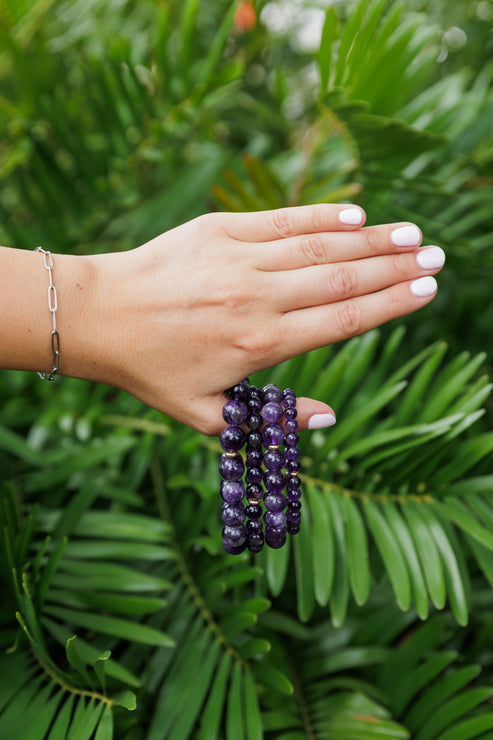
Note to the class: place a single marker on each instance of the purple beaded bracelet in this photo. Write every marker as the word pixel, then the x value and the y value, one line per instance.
pixel 267 474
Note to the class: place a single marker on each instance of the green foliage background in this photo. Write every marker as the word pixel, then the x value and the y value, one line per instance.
pixel 120 615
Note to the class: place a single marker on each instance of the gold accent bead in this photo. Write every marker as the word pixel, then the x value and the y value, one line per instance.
pixel 274 447
pixel 253 501
pixel 231 454
pixel 293 475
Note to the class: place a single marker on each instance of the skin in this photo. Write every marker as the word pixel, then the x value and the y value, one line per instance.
pixel 179 319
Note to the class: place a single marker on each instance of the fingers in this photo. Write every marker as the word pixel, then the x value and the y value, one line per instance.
pixel 266 226
pixel 310 328
pixel 314 286
pixel 309 249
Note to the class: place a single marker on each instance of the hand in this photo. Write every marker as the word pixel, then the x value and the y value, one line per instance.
pixel 180 319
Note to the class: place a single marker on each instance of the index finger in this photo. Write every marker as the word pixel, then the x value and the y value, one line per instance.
pixel 281 223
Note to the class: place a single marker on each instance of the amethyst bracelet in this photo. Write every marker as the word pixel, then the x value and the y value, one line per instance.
pixel 272 467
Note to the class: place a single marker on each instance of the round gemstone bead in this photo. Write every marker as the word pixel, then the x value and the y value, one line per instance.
pixel 254 475
pixel 254 420
pixel 233 514
pixel 275 518
pixel 272 392
pixel 231 468
pixel 294 505
pixel 254 457
pixel 254 525
pixel 293 528
pixel 291 439
pixel 232 439
pixel 256 542
pixel 274 538
pixel 253 512
pixel 291 425
pixel 254 439
pixel 292 453
pixel 294 495
pixel 274 460
pixel 290 413
pixel 254 490
pixel 294 516
pixel 274 481
pixel 235 412
pixel 288 392
pixel 293 483
pixel 240 390
pixel 234 539
pixel 272 434
pixel 275 501
pixel 232 491
pixel 289 402
pixel 272 412
pixel 293 466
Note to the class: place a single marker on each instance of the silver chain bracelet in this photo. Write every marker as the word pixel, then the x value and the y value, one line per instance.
pixel 52 305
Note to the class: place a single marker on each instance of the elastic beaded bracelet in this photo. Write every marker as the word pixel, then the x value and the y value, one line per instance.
pixel 275 470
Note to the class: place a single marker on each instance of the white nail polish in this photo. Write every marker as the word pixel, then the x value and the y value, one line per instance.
pixel 406 236
pixel 430 258
pixel 351 216
pixel 423 287
pixel 320 421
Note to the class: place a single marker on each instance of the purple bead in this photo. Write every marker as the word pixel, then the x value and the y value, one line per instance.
pixel 288 392
pixel 254 439
pixel 275 501
pixel 274 460
pixel 274 481
pixel 289 402
pixel 254 458
pixel 275 518
pixel 272 412
pixel 272 393
pixel 294 495
pixel 254 421
pixel 294 516
pixel 291 425
pixel 240 390
pixel 274 538
pixel 290 413
pixel 292 453
pixel 234 539
pixel 291 439
pixel 273 434
pixel 293 466
pixel 254 475
pixel 231 468
pixel 235 412
pixel 293 483
pixel 232 439
pixel 294 505
pixel 233 514
pixel 256 542
pixel 293 528
pixel 254 525
pixel 254 490
pixel 232 491
pixel 253 512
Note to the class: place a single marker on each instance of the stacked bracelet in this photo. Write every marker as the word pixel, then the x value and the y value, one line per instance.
pixel 272 467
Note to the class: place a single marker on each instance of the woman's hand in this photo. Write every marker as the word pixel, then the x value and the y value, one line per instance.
pixel 180 319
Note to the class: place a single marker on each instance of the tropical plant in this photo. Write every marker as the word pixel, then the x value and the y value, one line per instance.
pixel 120 615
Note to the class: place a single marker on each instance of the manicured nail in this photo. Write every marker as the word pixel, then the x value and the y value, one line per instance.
pixel 352 216
pixel 424 286
pixel 320 421
pixel 406 236
pixel 430 258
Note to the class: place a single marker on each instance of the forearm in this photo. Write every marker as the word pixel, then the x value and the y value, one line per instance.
pixel 25 318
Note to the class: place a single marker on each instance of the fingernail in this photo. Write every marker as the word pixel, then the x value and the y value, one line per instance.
pixel 424 286
pixel 430 258
pixel 406 236
pixel 351 216
pixel 320 421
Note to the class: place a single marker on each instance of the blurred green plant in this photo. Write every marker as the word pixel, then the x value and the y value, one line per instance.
pixel 120 614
